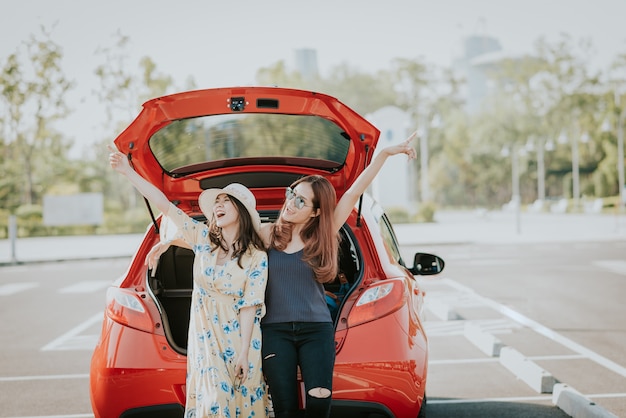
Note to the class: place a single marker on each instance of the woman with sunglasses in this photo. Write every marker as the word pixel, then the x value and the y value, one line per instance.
pixel 297 330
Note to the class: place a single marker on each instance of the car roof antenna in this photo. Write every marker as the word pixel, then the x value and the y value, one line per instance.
pixel 358 216
pixel 154 222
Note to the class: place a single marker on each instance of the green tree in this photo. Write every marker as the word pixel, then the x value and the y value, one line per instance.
pixel 573 113
pixel 363 92
pixel 614 116
pixel 532 100
pixel 33 88
pixel 414 85
pixel 122 89
pixel 13 100
pixel 278 75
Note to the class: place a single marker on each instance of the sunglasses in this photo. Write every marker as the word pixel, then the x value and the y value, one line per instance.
pixel 299 201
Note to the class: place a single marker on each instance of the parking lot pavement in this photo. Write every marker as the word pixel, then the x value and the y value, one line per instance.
pixel 449 227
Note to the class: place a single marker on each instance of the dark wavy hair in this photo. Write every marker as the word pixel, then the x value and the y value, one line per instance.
pixel 321 241
pixel 247 236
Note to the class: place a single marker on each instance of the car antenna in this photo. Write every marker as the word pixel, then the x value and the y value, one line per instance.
pixel 358 215
pixel 154 222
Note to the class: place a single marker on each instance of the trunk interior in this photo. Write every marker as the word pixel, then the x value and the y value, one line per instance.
pixel 172 286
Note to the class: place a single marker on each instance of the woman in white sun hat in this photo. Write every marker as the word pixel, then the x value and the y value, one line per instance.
pixel 224 376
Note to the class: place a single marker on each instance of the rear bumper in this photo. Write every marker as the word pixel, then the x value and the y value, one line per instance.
pixel 135 374
pixel 385 375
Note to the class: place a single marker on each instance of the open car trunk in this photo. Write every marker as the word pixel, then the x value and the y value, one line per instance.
pixel 172 286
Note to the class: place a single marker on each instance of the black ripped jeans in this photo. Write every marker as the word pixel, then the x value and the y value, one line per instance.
pixel 310 345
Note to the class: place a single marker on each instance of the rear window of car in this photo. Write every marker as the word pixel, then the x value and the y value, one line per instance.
pixel 188 145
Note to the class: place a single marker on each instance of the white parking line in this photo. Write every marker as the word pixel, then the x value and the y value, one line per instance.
pixel 59 416
pixel 89 286
pixel 72 341
pixel 443 328
pixel 457 327
pixel 510 399
pixel 516 399
pixel 606 395
pixel 13 288
pixel 616 266
pixel 463 361
pixel 496 360
pixel 44 377
pixel 558 357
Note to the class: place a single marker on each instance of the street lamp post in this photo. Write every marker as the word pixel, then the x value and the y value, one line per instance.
pixel 541 173
pixel 516 193
pixel 516 200
pixel 541 146
pixel 425 188
pixel 563 139
pixel 620 153
pixel 575 174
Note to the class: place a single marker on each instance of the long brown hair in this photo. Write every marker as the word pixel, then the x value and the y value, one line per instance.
pixel 247 236
pixel 321 241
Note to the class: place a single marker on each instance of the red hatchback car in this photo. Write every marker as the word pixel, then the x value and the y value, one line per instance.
pixel 264 138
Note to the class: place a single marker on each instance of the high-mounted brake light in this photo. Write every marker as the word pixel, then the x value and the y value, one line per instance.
pixel 377 301
pixel 126 307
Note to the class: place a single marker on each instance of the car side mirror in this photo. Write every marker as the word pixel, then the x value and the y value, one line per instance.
pixel 427 264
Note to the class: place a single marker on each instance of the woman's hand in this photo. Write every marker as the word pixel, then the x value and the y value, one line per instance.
pixel 118 161
pixel 350 197
pixel 242 367
pixel 403 148
pixel 152 259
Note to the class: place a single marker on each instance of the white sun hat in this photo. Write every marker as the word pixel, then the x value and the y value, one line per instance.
pixel 236 190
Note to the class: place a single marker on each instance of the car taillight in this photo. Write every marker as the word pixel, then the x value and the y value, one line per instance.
pixel 377 301
pixel 127 308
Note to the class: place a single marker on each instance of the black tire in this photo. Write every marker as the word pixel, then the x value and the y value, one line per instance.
pixel 422 413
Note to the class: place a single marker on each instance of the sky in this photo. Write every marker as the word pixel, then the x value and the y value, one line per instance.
pixel 223 43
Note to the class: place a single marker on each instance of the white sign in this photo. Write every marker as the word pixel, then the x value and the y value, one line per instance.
pixel 78 209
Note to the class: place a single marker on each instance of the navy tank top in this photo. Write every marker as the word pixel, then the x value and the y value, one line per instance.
pixel 292 293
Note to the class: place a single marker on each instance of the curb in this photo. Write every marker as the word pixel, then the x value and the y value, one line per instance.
pixel 443 311
pixel 66 248
pixel 485 341
pixel 62 260
pixel 574 404
pixel 528 371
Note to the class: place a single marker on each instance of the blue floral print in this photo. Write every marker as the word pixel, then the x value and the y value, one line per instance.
pixel 220 292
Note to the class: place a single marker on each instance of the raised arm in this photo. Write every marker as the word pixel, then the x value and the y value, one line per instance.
pixel 120 163
pixel 350 197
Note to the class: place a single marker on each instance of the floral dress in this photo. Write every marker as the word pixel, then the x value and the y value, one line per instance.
pixel 219 292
